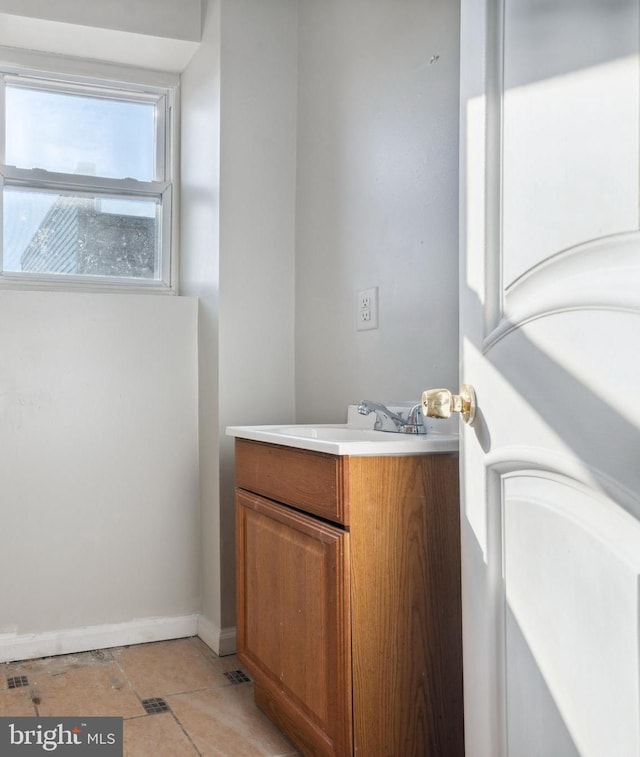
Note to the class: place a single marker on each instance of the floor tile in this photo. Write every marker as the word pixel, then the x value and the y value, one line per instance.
pixel 88 691
pixel 156 736
pixel 226 723
pixel 16 703
pixel 191 710
pixel 162 668
pixel 58 664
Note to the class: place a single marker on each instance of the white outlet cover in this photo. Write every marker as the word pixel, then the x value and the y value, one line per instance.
pixel 367 309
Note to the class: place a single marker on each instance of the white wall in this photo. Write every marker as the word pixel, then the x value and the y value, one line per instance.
pixel 98 411
pixel 162 18
pixel 200 277
pixel 238 221
pixel 99 470
pixel 376 201
pixel 257 235
pixel 319 156
pixel 330 121
pixel 159 34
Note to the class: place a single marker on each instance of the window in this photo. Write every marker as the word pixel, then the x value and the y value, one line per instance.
pixel 86 181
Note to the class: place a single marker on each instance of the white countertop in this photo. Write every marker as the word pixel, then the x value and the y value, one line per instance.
pixel 343 439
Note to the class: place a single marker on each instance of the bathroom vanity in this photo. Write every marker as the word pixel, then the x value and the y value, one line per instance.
pixel 348 581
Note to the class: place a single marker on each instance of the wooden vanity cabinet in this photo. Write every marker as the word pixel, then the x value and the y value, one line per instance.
pixel 349 615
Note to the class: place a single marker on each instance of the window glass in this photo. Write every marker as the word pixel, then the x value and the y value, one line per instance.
pixel 80 134
pixel 51 233
pixel 85 181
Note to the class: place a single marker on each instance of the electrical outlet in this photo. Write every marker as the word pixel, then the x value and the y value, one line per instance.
pixel 367 309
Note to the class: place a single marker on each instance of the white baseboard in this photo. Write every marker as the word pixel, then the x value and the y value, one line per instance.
pixel 221 640
pixel 67 641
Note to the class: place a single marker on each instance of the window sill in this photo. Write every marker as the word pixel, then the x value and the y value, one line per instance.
pixel 83 284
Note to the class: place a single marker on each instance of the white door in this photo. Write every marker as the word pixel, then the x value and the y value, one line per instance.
pixel 550 319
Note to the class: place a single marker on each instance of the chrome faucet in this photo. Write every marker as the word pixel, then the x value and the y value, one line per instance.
pixel 389 421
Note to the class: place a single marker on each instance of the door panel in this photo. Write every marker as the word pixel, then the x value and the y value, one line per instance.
pixel 571 567
pixel 570 98
pixel 550 318
pixel 568 394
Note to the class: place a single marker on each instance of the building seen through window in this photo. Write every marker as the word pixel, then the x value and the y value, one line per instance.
pixel 77 236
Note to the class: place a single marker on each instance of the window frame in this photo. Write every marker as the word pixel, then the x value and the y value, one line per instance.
pixel 79 77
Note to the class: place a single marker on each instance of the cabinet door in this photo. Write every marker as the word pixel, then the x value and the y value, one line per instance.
pixel 293 621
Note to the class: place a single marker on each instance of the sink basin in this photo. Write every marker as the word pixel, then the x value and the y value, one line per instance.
pixel 343 439
pixel 337 433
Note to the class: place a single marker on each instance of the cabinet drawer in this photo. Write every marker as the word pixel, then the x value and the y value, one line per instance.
pixel 309 481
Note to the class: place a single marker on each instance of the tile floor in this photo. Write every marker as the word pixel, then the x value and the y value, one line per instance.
pixel 174 697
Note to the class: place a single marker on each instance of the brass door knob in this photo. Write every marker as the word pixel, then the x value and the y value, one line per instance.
pixel 441 403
